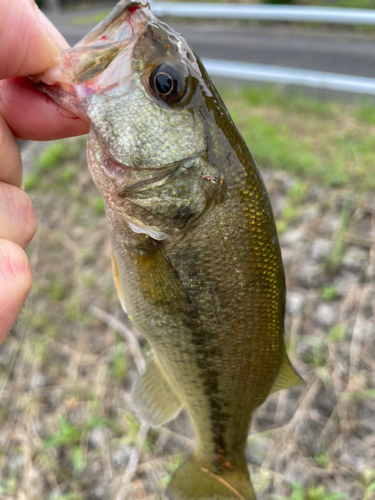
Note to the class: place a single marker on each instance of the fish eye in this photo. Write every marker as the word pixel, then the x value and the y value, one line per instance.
pixel 167 83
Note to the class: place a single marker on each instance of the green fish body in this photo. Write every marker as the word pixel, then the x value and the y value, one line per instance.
pixel 196 257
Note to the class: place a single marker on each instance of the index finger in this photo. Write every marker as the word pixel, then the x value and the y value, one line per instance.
pixel 29 43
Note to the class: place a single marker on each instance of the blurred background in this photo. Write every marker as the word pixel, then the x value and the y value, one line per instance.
pixel 67 430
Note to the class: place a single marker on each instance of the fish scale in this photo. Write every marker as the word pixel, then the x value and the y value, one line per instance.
pixel 196 258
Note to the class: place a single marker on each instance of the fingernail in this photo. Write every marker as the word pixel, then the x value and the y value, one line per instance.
pixel 15 284
pixel 53 34
pixel 13 263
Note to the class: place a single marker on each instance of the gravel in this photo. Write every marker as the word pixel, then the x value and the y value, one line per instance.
pixel 67 429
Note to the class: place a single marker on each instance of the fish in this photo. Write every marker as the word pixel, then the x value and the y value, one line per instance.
pixel 196 258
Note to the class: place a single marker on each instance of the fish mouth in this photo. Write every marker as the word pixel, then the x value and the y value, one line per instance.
pixel 112 26
pixel 101 60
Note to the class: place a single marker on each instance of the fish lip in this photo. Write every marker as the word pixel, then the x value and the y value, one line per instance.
pixel 80 70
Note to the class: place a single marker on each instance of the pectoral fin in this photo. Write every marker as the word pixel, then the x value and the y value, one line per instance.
pixel 154 397
pixel 116 279
pixel 287 377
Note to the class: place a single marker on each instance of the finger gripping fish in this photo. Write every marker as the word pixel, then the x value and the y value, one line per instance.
pixel 196 257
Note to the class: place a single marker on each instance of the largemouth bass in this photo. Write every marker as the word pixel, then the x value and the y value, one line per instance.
pixel 196 257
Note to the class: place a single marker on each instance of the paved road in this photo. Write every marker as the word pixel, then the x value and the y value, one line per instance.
pixel 329 50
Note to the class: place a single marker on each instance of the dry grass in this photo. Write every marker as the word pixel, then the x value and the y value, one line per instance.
pixel 67 430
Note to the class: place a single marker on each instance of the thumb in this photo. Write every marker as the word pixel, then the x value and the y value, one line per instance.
pixel 15 283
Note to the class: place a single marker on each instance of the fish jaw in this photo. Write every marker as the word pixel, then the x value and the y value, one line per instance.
pixel 135 137
pixel 98 63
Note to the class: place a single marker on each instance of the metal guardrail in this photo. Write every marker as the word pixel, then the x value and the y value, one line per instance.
pixel 286 13
pixel 276 74
pixel 282 75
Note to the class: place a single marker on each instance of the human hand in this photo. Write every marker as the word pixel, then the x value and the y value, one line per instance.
pixel 29 45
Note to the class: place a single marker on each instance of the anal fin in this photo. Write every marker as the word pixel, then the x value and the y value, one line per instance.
pixel 287 377
pixel 153 395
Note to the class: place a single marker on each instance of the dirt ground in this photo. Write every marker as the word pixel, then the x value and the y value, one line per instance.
pixel 67 430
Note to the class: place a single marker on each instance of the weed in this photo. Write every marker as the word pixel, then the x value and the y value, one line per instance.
pixel 369 492
pixel 262 480
pixel 271 146
pixel 68 434
pixel 357 395
pixel 71 436
pixel 366 113
pixel 77 459
pixel 69 496
pixel 328 292
pixel 72 309
pixel 56 290
pixel 289 211
pixel 281 226
pixel 117 365
pixel 320 493
pixel 68 174
pixel 91 19
pixel 8 486
pixel 322 460
pixel 174 463
pixel 89 279
pixel 354 4
pixel 132 428
pixel 257 445
pixel 299 134
pixel 312 493
pixel 31 182
pixel 98 204
pixel 297 193
pixel 367 481
pixel 36 320
pixel 171 466
pixel 318 347
pixel 337 333
pixel 52 157
pixel 325 376
pixel 334 259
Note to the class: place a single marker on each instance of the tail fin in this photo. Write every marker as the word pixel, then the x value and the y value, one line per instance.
pixel 193 481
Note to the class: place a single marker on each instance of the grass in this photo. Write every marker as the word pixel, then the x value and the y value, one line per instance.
pixel 330 142
pixel 316 139
pixel 313 493
pixel 51 158
pixel 50 161
pixel 329 292
pixel 337 333
pixel 90 19
pixel 66 376
pixel 352 4
pixel 334 259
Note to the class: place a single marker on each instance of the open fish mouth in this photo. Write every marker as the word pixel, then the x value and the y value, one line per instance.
pixel 133 78
pixel 101 61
